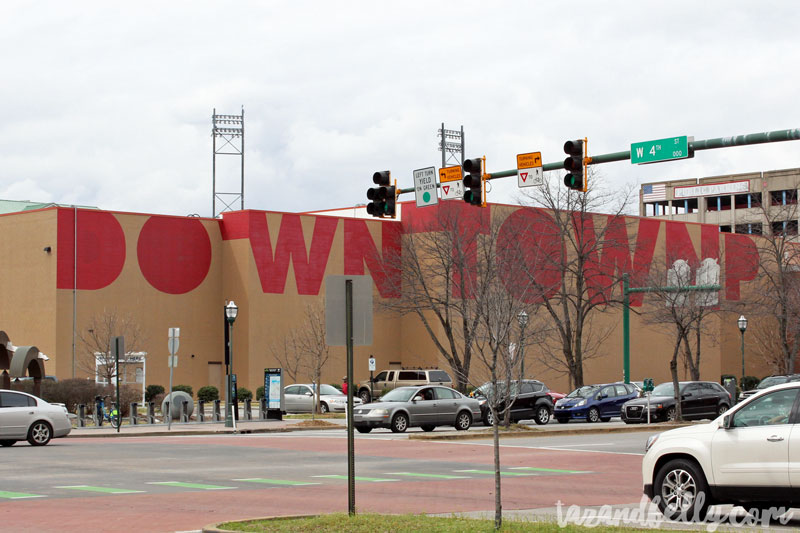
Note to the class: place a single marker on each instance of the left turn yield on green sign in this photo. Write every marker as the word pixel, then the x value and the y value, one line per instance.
pixel 425 187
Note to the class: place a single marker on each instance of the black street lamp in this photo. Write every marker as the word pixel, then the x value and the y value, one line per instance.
pixel 522 318
pixel 742 326
pixel 230 315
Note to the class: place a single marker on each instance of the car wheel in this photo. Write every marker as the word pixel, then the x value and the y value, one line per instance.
pixel 721 409
pixel 40 433
pixel 671 415
pixel 364 395
pixel 682 491
pixel 323 408
pixel 562 420
pixel 363 429
pixel 542 415
pixel 428 427
pixel 489 418
pixel 463 421
pixel 7 442
pixel 399 423
pixel 593 415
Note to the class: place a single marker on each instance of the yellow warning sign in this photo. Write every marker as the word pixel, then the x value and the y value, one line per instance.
pixel 530 160
pixel 450 174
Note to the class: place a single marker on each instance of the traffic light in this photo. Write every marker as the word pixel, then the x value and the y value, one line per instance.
pixel 574 165
pixel 382 198
pixel 473 181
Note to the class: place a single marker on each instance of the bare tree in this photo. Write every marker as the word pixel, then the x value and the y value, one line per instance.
pixel 564 244
pixel 777 298
pixel 285 351
pixel 310 344
pixel 439 282
pixel 97 338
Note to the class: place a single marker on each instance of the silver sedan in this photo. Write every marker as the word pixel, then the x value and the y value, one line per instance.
pixel 425 407
pixel 300 399
pixel 23 416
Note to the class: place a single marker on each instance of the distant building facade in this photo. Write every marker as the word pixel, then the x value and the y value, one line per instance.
pixel 758 203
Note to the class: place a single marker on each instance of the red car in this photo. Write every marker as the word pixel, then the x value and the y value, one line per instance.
pixel 555 396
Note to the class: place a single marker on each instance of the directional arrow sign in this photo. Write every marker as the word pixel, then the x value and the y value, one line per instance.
pixel 529 169
pixel 452 184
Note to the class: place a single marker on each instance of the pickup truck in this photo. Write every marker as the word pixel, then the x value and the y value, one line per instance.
pixel 389 379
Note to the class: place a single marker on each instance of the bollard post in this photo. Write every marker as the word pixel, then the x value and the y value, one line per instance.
pixel 215 415
pixel 201 411
pixel 167 413
pixel 81 415
pixel 184 411
pixel 134 418
pixel 98 421
pixel 262 409
pixel 235 409
pixel 248 413
pixel 151 412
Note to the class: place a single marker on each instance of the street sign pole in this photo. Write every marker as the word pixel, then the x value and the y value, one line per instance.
pixel 351 464
pixel 172 345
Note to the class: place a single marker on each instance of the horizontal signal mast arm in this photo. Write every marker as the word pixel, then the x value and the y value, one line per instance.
pixel 707 144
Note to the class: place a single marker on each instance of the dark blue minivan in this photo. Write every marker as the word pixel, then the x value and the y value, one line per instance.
pixel 594 403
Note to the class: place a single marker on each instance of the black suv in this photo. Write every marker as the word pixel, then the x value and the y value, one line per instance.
pixel 699 399
pixel 531 401
pixel 769 381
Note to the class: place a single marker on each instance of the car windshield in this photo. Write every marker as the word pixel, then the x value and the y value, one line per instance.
pixel 486 389
pixel 666 389
pixel 328 389
pixel 583 392
pixel 772 380
pixel 401 394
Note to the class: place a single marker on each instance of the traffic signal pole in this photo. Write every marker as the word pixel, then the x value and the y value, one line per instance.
pixel 707 144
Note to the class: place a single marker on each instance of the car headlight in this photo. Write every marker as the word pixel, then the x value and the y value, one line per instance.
pixel 650 441
pixel 580 403
pixel 378 412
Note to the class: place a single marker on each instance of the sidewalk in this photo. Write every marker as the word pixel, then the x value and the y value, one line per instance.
pixel 190 428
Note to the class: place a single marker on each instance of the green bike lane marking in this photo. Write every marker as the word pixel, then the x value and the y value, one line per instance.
pixel 189 485
pixel 104 490
pixel 430 476
pixel 268 481
pixel 357 478
pixel 550 470
pixel 19 495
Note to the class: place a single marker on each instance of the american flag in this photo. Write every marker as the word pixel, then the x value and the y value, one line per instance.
pixel 654 192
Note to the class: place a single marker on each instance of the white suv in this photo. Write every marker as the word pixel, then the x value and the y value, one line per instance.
pixel 749 456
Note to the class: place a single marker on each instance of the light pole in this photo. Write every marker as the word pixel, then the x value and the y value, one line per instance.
pixel 742 326
pixel 230 314
pixel 522 318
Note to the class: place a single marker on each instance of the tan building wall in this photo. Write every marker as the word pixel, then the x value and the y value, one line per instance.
pixel 180 271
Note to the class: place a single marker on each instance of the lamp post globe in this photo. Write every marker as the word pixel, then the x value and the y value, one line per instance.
pixel 231 310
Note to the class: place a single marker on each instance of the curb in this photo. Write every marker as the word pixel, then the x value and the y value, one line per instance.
pixel 214 528
pixel 179 433
pixel 549 433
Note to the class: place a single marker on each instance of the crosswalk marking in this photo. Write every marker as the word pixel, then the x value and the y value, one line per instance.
pixel 19 495
pixel 189 485
pixel 419 474
pixel 267 481
pixel 105 490
pixel 357 478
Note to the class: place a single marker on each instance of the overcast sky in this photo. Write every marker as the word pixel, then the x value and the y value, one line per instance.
pixel 110 104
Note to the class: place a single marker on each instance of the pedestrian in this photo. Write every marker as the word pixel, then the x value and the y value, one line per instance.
pixel 344 385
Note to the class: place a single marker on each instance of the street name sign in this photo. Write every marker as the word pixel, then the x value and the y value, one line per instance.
pixel 452 183
pixel 529 169
pixel 425 187
pixel 660 150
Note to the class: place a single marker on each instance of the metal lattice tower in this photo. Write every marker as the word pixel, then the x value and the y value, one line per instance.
pixel 229 129
pixel 451 144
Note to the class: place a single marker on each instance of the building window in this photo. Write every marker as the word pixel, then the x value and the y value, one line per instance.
pixel 788 227
pixel 785 197
pixel 718 203
pixel 753 228
pixel 725 229
pixel 743 201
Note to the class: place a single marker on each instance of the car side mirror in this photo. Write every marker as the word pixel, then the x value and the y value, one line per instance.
pixel 726 422
pixel 602 396
pixel 308 393
pixel 417 399
pixel 687 394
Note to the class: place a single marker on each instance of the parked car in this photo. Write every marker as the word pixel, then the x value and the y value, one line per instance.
pixel 530 401
pixel 744 457
pixel 300 399
pixel 387 380
pixel 555 396
pixel 23 416
pixel 699 399
pixel 594 403
pixel 425 407
pixel 767 382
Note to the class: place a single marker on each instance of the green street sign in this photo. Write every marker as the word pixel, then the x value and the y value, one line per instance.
pixel 660 150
